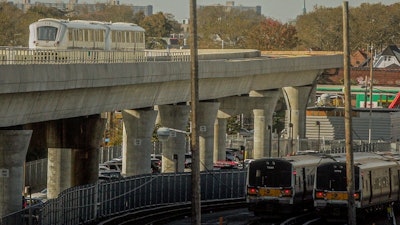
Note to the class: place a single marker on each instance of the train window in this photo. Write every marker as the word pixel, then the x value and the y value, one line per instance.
pixel 86 35
pixel 123 36
pixel 80 35
pixel 75 35
pixel 91 36
pixel 113 36
pixel 47 33
pixel 70 34
pixel 132 36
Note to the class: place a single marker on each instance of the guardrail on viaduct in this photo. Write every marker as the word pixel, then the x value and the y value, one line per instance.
pixel 23 56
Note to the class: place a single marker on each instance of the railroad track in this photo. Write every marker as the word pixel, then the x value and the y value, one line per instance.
pixel 163 214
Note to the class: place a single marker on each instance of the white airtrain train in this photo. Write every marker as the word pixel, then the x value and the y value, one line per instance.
pixel 60 34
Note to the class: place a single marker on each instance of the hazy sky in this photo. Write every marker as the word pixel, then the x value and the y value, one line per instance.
pixel 282 10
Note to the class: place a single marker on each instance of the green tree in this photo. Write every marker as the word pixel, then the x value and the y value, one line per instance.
pixel 138 17
pixel 321 29
pixel 375 24
pixel 113 13
pixel 156 25
pixel 233 27
pixel 270 34
pixel 14 26
pixel 43 11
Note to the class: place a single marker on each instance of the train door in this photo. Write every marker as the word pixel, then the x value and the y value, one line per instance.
pixel 397 183
pixel 370 186
pixel 390 183
pixel 303 174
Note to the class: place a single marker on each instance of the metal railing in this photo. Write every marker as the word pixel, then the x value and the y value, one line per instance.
pixel 85 204
pixel 23 56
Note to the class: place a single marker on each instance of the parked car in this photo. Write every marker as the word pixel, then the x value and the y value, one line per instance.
pixel 33 201
pixel 107 175
pixel 112 165
pixel 234 154
pixel 222 164
pixel 42 195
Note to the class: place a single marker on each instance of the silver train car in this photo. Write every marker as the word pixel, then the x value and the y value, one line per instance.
pixel 60 34
pixel 376 180
pixel 278 186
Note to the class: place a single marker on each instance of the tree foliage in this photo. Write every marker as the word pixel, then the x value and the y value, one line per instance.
pixel 375 24
pixel 232 26
pixel 109 13
pixel 9 18
pixel 272 35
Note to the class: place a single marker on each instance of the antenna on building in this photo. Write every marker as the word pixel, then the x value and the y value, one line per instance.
pixel 304 7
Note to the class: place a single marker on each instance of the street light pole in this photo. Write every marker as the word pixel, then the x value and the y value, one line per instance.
pixel 194 87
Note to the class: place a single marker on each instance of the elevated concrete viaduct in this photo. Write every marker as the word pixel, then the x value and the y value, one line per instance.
pixel 66 101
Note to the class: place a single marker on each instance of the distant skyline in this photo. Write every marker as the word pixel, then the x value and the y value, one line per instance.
pixel 282 10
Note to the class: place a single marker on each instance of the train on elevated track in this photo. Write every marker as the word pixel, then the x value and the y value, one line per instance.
pixel 317 181
pixel 58 34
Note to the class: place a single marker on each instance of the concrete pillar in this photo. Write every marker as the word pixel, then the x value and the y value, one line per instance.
pixel 296 101
pixel 13 148
pixel 176 117
pixel 263 122
pixel 59 171
pixel 220 139
pixel 73 148
pixel 207 113
pixel 136 148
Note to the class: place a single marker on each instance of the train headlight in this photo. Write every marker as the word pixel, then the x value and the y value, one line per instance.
pixel 252 191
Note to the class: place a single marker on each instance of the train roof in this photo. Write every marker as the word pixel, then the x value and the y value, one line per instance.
pixel 302 159
pixel 367 163
pixel 91 24
pixel 74 23
pixel 126 26
pixel 365 160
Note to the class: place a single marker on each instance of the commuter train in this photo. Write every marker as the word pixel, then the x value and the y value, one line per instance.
pixel 376 180
pixel 277 186
pixel 60 34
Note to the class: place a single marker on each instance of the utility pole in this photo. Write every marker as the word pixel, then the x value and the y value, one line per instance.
pixel 194 78
pixel 349 140
pixel 371 79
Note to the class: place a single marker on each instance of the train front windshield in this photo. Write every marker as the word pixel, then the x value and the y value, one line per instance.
pixel 47 33
pixel 332 177
pixel 276 173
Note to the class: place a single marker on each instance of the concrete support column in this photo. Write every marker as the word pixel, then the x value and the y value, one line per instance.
pixel 263 122
pixel 59 171
pixel 13 148
pixel 207 113
pixel 136 149
pixel 296 101
pixel 176 117
pixel 73 149
pixel 220 139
